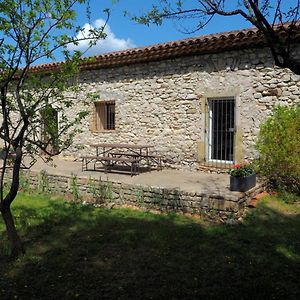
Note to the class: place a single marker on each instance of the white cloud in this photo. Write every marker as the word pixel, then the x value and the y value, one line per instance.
pixel 109 44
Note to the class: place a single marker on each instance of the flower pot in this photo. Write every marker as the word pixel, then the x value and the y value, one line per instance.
pixel 242 184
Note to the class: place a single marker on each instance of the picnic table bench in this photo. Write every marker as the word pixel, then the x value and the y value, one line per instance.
pixel 110 161
pixel 113 155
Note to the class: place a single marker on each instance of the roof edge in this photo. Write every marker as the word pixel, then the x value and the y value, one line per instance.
pixel 211 43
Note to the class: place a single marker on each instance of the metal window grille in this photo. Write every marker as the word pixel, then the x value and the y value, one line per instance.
pixel 220 132
pixel 109 116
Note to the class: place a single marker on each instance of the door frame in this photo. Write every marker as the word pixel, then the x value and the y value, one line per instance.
pixel 209 132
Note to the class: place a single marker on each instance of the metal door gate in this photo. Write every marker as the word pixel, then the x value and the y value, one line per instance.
pixel 221 131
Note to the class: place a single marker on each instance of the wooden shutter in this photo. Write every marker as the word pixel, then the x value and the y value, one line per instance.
pixel 93 126
pixel 101 116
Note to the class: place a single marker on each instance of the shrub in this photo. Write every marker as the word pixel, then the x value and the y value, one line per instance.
pixel 278 144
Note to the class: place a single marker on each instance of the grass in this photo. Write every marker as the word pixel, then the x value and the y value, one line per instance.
pixel 76 251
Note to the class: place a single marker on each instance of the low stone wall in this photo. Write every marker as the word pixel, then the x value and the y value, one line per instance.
pixel 98 192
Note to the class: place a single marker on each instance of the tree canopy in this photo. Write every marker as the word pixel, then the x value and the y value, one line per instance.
pixel 32 32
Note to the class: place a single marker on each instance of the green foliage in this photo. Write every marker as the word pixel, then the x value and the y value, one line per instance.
pixel 101 191
pixel 24 182
pixel 43 182
pixel 157 198
pixel 109 191
pixel 279 148
pixel 32 32
pixel 288 197
pixel 241 170
pixel 92 188
pixel 5 249
pixel 140 196
pixel 74 187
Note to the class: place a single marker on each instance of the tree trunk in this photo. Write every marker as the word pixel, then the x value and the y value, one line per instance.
pixel 14 239
pixel 292 64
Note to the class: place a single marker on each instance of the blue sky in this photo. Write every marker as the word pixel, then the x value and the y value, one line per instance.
pixel 170 30
pixel 123 33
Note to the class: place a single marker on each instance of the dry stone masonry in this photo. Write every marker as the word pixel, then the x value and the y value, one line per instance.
pixel 211 204
pixel 163 103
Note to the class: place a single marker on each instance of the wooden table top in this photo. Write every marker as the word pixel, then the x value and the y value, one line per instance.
pixel 129 146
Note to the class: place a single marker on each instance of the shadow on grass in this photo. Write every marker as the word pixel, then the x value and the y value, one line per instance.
pixel 80 252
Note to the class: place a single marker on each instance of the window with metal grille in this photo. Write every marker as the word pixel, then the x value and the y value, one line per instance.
pixel 104 116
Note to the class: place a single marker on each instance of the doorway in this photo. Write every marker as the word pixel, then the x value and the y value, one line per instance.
pixel 221 130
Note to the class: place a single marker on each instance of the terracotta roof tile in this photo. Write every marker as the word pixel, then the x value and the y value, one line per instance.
pixel 212 43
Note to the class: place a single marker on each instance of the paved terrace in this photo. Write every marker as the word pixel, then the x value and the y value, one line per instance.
pixel 167 190
pixel 188 181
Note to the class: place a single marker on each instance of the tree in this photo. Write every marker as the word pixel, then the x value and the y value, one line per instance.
pixel 276 20
pixel 32 31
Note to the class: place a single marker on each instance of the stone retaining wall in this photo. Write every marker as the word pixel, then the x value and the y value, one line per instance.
pixel 88 190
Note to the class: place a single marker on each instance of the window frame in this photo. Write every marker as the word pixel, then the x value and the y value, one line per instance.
pixel 104 118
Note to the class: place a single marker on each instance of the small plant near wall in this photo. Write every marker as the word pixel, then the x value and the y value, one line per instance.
pixel 157 198
pixel 109 191
pixel 100 191
pixel 43 182
pixel 92 188
pixel 74 188
pixel 140 196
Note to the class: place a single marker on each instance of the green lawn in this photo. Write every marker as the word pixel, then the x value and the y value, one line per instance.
pixel 76 251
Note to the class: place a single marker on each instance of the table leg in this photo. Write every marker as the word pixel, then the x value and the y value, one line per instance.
pixel 148 161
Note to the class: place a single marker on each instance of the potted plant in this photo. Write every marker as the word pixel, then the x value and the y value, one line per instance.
pixel 242 177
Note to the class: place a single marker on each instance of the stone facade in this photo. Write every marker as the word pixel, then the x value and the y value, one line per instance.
pixel 163 103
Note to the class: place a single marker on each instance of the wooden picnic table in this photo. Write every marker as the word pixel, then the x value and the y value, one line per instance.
pixel 109 155
pixel 109 148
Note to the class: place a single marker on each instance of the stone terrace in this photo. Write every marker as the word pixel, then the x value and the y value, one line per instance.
pixel 167 190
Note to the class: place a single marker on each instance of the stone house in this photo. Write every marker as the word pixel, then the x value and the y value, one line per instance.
pixel 198 101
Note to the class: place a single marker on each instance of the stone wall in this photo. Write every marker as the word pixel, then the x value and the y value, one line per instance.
pixel 219 207
pixel 163 103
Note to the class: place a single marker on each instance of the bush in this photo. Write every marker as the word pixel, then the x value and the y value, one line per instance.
pixel 279 148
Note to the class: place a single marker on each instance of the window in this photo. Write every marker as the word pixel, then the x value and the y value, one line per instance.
pixel 104 116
